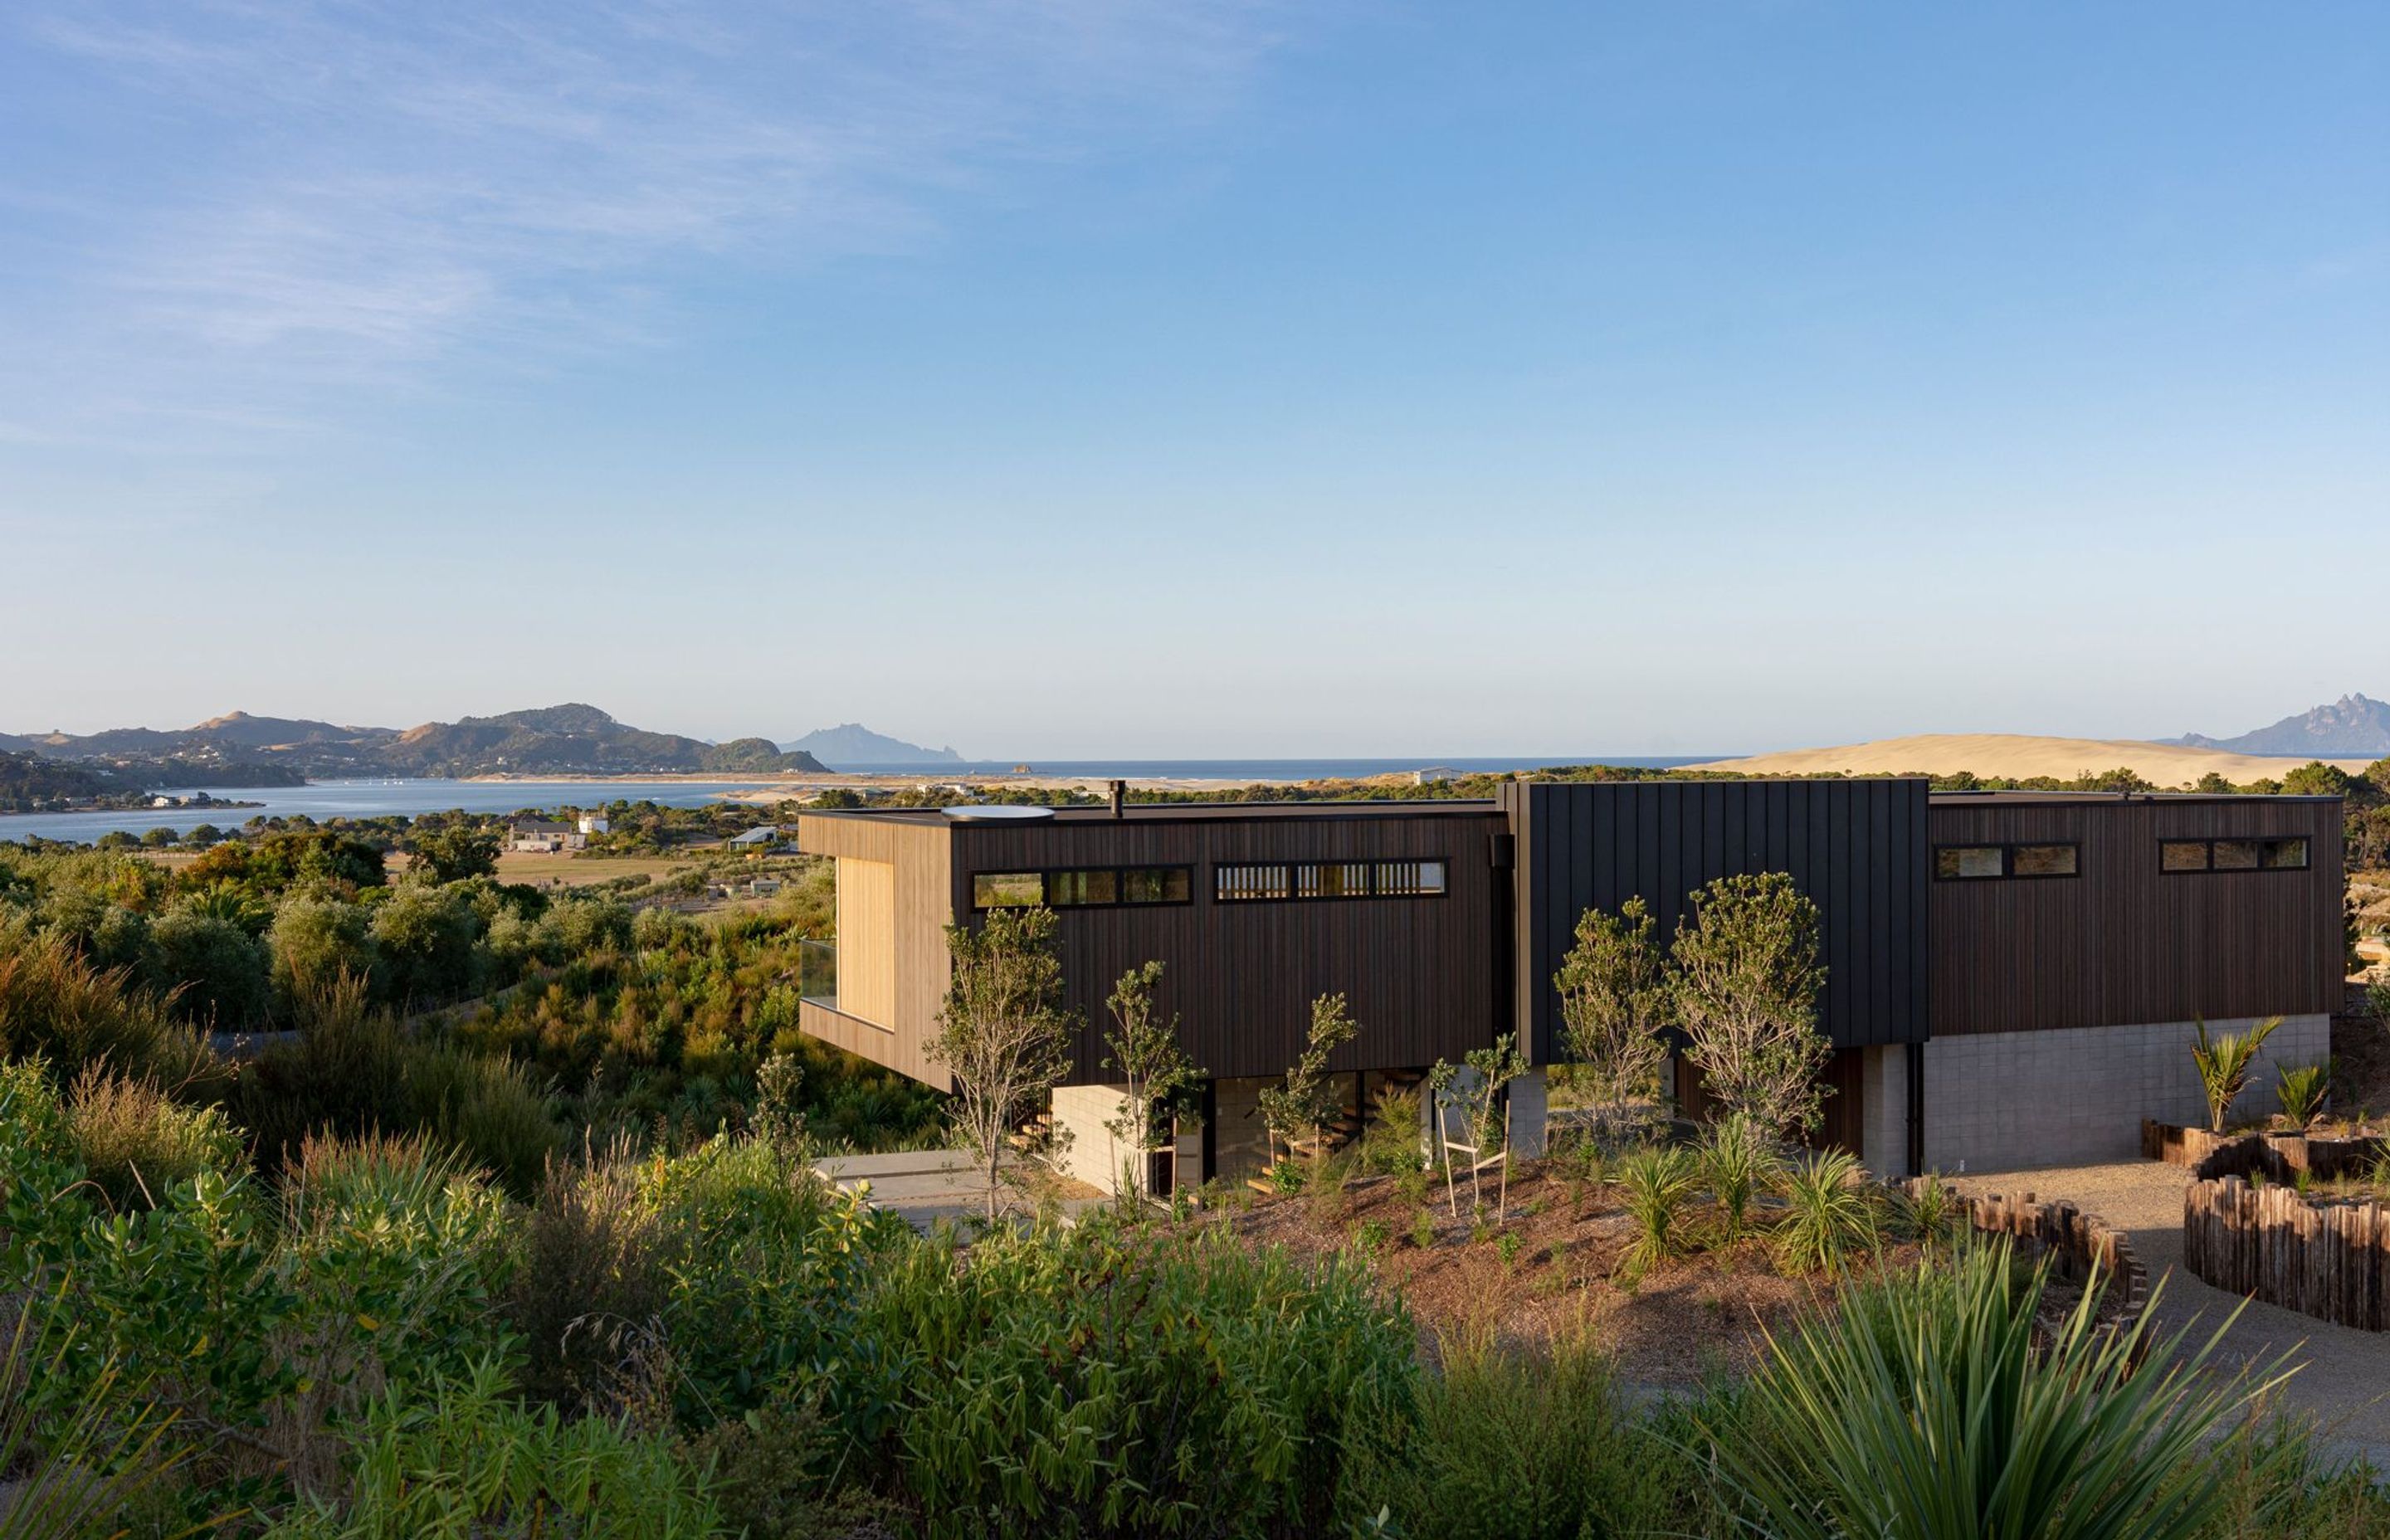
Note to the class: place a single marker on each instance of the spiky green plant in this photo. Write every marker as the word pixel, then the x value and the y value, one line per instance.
pixel 2301 1088
pixel 1830 1214
pixel 1929 1212
pixel 72 1472
pixel 1737 1163
pixel 1658 1179
pixel 1920 1407
pixel 2225 1062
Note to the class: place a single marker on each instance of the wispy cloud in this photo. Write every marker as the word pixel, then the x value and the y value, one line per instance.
pixel 346 195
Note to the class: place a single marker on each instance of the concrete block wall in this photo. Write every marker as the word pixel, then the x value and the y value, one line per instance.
pixel 1884 1090
pixel 1998 1100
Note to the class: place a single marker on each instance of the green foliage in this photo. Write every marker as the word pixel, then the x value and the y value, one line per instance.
pixel 2225 1060
pixel 71 1470
pixel 1931 1213
pixel 1004 1034
pixel 1746 982
pixel 217 971
pixel 1616 998
pixel 316 938
pixel 1390 1144
pixel 55 1005
pixel 135 1142
pixel 455 851
pixel 1159 1085
pixel 1308 1100
pixel 1921 1406
pixel 1830 1214
pixel 429 942
pixel 1109 1382
pixel 1737 1163
pixel 466 1462
pixel 1423 1228
pixel 1510 1446
pixel 2301 1088
pixel 1658 1180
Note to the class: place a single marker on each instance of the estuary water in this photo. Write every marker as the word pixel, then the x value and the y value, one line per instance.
pixel 367 798
pixel 364 799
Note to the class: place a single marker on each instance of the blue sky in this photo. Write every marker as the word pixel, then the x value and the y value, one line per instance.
pixel 1077 378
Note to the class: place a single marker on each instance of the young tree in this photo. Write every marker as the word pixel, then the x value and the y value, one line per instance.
pixel 1003 1032
pixel 1307 1099
pixel 456 851
pixel 1746 983
pixel 1614 1000
pixel 1158 1076
pixel 1477 1094
pixel 2225 1063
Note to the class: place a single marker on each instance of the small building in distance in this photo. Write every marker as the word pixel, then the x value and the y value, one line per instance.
pixel 544 835
pixel 595 822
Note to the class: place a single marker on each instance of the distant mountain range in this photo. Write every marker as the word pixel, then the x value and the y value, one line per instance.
pixel 852 744
pixel 2352 725
pixel 555 741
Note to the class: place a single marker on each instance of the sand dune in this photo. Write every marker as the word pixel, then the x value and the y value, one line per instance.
pixel 2021 755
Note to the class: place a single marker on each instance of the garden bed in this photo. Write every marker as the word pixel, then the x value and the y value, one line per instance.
pixel 1553 1267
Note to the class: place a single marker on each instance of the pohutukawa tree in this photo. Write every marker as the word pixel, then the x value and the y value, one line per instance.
pixel 1745 987
pixel 1308 1101
pixel 1615 1002
pixel 1003 1033
pixel 1159 1079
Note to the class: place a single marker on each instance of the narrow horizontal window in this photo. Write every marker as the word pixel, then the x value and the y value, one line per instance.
pixel 1333 879
pixel 1243 883
pixel 2042 861
pixel 1007 889
pixel 1156 885
pixel 2290 854
pixel 1330 879
pixel 1075 890
pixel 1966 862
pixel 1409 879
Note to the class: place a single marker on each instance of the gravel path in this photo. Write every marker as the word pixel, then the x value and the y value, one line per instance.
pixel 2344 1376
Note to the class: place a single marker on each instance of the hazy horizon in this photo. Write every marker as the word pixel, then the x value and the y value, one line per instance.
pixel 1197 378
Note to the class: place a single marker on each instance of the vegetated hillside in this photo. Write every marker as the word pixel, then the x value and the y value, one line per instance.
pixel 2016 756
pixel 28 781
pixel 567 739
pixel 2352 724
pixel 851 743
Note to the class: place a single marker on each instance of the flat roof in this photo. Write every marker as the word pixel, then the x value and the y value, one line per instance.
pixel 2103 799
pixel 1186 812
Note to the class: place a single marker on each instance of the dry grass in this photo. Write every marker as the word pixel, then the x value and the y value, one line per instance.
pixel 2022 755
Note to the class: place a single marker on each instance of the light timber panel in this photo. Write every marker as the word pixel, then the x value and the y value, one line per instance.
pixel 866 939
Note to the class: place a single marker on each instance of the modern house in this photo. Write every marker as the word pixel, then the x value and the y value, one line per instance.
pixel 2012 978
pixel 545 835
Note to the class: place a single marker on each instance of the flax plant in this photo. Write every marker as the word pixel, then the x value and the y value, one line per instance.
pixel 1920 1407
pixel 2225 1060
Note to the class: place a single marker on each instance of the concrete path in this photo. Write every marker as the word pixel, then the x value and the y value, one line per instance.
pixel 2343 1374
pixel 925 1186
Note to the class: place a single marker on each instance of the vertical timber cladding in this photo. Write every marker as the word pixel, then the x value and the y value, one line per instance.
pixel 915 855
pixel 1855 847
pixel 1419 973
pixel 2125 943
pixel 866 939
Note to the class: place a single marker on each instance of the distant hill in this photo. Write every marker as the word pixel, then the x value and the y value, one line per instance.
pixel 2019 756
pixel 572 740
pixel 853 744
pixel 2352 724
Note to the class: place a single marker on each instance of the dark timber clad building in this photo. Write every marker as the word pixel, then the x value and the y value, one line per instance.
pixel 2011 978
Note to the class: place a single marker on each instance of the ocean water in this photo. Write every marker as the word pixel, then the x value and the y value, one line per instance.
pixel 366 799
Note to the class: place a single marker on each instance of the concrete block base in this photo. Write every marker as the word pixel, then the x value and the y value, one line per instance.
pixel 1998 1100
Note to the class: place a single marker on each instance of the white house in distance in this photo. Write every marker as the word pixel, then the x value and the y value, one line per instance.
pixel 541 836
pixel 594 823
